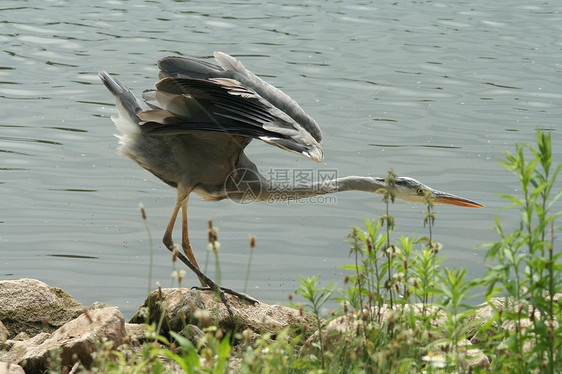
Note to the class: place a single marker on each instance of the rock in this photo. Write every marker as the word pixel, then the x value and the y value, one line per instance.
pixel 234 364
pixel 76 340
pixel 181 306
pixel 98 305
pixel 135 332
pixel 475 358
pixel 348 324
pixel 488 311
pixel 21 336
pixel 484 313
pixel 33 307
pixel 337 329
pixel 470 357
pixel 9 368
pixel 15 350
pixel 4 333
pixel 193 333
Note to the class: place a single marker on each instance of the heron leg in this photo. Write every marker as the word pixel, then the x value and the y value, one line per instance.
pixel 169 242
pixel 186 245
pixel 167 239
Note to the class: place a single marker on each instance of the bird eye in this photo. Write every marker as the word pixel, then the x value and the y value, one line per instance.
pixel 420 191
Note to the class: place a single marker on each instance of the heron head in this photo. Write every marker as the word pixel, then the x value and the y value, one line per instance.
pixel 414 191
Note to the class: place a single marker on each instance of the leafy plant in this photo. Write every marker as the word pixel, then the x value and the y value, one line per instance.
pixel 316 297
pixel 528 270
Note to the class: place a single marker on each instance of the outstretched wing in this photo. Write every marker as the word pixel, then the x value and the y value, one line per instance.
pixel 198 96
pixel 184 67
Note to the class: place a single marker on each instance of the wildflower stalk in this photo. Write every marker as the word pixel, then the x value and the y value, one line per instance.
pixel 252 246
pixel 151 258
pixel 356 249
pixel 214 246
pixel 429 220
pixel 388 196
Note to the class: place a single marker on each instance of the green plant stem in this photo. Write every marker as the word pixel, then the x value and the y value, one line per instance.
pixel 151 246
pixel 249 267
pixel 217 268
pixel 431 246
pixel 388 255
pixel 551 293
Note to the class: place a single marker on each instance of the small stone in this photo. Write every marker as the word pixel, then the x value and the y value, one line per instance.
pixel 4 333
pixel 193 333
pixel 135 332
pixel 10 368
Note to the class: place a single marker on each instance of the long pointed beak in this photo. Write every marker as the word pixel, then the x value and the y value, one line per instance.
pixel 440 197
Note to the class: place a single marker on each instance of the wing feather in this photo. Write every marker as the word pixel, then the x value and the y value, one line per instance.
pixel 198 96
pixel 275 96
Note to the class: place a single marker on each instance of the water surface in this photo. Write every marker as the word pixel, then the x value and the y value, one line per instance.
pixel 435 90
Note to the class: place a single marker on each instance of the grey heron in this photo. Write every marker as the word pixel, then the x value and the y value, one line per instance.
pixel 201 117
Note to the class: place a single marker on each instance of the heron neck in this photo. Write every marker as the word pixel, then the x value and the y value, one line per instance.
pixel 271 192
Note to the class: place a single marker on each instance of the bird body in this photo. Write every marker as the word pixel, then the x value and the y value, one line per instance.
pixel 201 117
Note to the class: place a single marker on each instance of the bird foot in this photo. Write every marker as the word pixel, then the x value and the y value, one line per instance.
pixel 209 282
pixel 229 291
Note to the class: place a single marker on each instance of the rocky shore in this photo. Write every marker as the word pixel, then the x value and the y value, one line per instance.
pixel 38 322
pixel 43 327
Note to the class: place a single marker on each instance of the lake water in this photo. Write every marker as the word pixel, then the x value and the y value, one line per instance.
pixel 435 90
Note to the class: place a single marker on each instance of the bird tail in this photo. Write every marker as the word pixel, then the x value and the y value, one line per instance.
pixel 129 107
pixel 126 102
